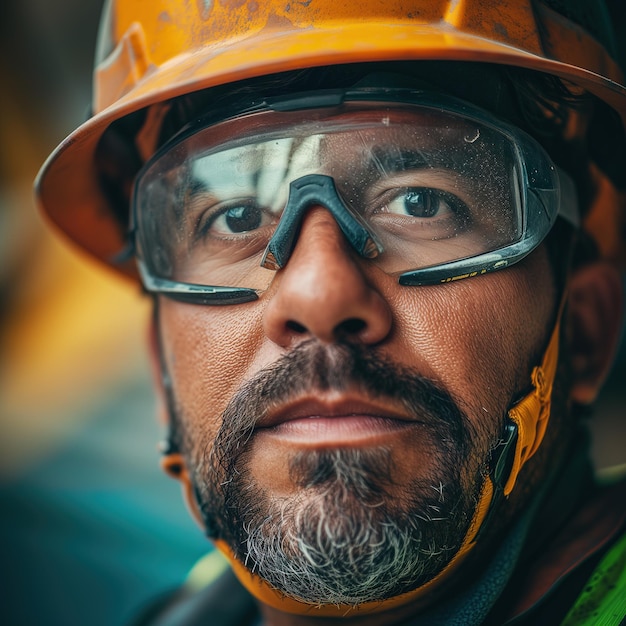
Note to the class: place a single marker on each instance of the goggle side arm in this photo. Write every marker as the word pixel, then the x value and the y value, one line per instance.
pixel 194 294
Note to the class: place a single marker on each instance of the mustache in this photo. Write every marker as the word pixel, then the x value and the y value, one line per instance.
pixel 230 502
pixel 312 367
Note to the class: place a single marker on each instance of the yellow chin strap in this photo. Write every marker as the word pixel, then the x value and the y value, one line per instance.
pixel 529 419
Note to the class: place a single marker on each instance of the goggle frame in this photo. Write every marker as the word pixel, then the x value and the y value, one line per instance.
pixel 538 184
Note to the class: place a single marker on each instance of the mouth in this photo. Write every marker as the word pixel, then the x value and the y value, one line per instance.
pixel 335 420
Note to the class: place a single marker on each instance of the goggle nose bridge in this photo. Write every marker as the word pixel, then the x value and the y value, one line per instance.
pixel 304 192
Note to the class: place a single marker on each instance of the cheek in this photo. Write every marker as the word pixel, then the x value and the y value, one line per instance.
pixel 207 352
pixel 479 337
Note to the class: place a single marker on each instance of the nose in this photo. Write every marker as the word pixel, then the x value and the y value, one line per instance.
pixel 323 291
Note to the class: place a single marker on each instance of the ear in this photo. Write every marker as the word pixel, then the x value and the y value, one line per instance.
pixel 594 319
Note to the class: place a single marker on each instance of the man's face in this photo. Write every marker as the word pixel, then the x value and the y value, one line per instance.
pixel 337 430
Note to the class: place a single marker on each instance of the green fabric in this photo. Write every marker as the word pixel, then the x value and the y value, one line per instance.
pixel 206 571
pixel 603 601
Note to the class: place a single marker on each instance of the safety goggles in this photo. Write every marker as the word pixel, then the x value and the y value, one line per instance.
pixel 429 189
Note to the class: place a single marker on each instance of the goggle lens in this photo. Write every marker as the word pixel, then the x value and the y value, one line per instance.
pixel 432 187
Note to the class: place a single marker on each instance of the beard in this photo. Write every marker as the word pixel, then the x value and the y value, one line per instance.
pixel 353 533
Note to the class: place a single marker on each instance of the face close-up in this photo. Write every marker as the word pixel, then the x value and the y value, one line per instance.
pixel 341 394
pixel 384 275
pixel 338 432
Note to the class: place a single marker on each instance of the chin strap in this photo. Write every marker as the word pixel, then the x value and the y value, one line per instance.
pixel 524 430
pixel 532 413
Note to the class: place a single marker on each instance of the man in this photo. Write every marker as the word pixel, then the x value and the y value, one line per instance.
pixel 377 238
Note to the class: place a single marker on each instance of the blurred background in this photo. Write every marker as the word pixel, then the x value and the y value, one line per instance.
pixel 90 530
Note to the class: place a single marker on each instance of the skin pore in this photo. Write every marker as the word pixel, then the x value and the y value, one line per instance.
pixel 475 340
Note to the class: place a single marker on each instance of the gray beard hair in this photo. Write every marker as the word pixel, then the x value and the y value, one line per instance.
pixel 340 543
pixel 350 535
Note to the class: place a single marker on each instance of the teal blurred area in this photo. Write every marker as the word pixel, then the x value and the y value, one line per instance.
pixel 94 532
pixel 91 530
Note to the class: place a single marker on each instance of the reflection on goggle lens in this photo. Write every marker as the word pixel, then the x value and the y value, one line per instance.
pixel 435 189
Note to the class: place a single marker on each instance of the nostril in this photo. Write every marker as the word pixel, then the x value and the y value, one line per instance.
pixel 352 326
pixel 295 327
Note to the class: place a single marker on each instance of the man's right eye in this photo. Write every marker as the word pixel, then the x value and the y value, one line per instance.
pixel 235 219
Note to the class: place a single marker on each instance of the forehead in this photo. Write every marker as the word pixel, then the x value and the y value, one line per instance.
pixel 350 130
pixel 358 140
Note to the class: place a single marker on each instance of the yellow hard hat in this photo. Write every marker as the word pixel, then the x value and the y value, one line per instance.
pixel 153 51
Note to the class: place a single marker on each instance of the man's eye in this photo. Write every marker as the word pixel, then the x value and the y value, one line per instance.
pixel 234 220
pixel 424 203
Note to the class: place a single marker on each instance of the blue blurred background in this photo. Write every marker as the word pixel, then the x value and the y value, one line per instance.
pixel 90 529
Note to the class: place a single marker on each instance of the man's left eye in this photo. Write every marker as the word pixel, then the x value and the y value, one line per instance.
pixel 423 203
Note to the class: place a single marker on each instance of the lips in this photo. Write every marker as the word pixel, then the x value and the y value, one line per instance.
pixel 331 406
pixel 331 419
